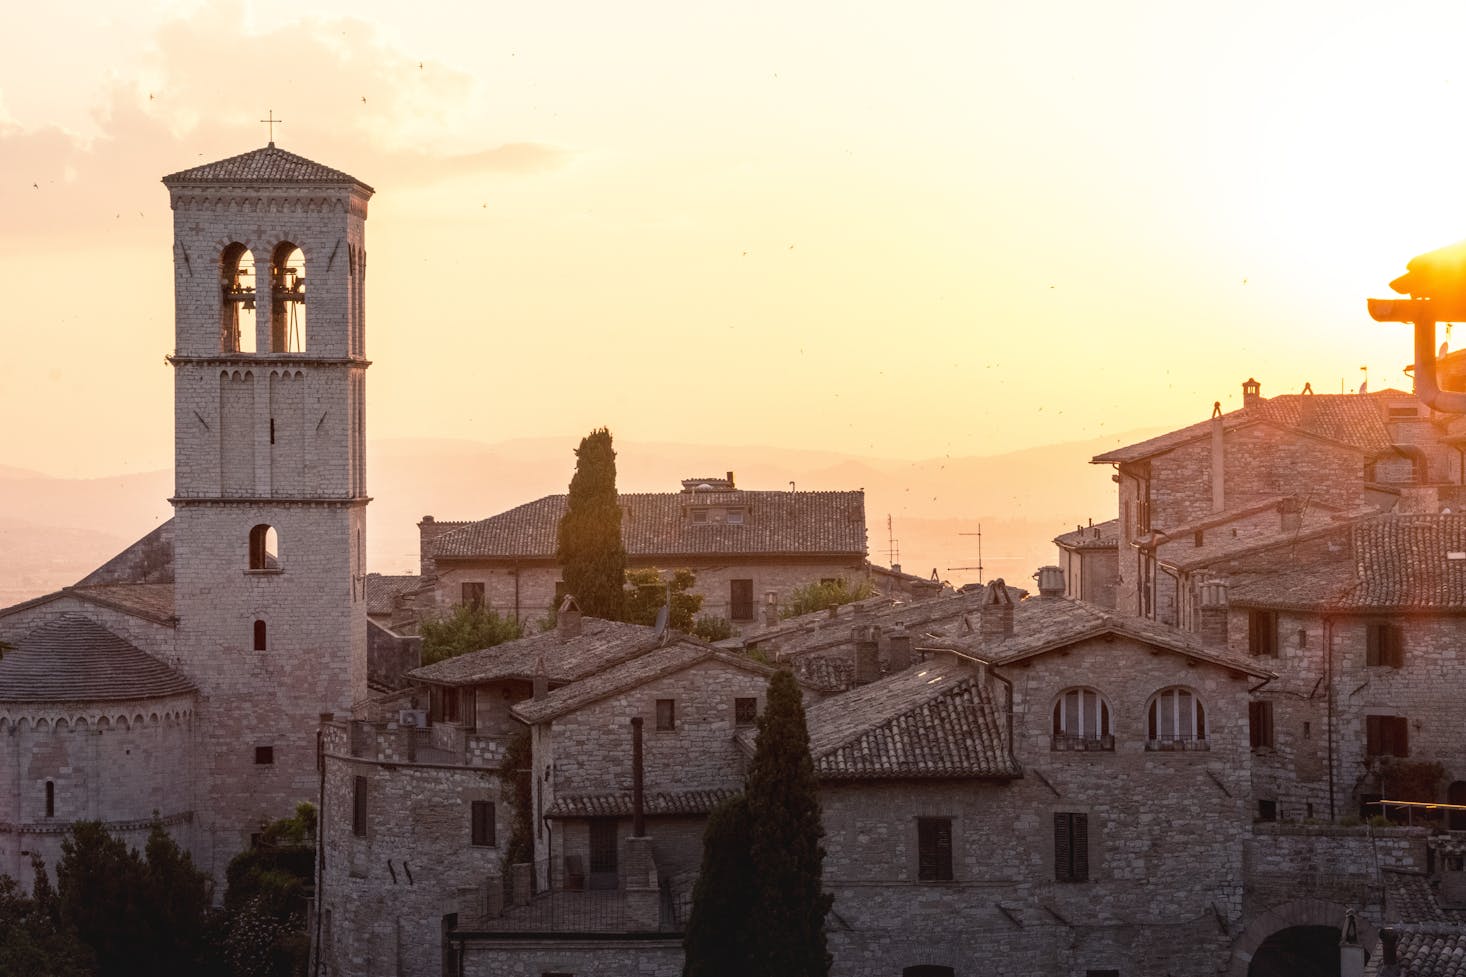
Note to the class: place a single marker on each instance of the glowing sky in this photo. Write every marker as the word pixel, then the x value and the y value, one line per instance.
pixel 895 229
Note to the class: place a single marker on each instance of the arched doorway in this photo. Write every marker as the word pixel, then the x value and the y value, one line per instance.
pixel 1297 914
pixel 1298 951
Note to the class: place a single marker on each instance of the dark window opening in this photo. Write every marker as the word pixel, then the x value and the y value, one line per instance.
pixel 1387 736
pixel 482 827
pixel 604 860
pixel 1200 538
pixel 264 755
pixel 1267 810
pixel 740 600
pixel 272 430
pixel 1262 633
pixel 50 798
pixel 745 711
pixel 260 636
pixel 928 970
pixel 1102 973
pixel 934 849
pixel 1384 645
pixel 666 714
pixel 359 806
pixel 1071 847
pixel 1260 724
pixel 473 594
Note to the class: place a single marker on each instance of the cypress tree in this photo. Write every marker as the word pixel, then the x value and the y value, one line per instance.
pixel 787 922
pixel 589 549
pixel 717 941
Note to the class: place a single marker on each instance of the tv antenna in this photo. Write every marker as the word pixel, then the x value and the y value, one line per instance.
pixel 893 545
pixel 979 567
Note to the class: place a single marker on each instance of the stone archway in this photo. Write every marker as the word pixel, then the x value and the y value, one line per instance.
pixel 1287 915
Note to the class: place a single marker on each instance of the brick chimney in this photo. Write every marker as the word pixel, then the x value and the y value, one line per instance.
pixel 771 608
pixel 867 638
pixel 997 612
pixel 898 648
pixel 567 619
pixel 427 531
pixel 1050 581
pixel 1214 603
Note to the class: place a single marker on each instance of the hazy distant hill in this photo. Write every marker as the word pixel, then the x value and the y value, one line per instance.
pixel 53 531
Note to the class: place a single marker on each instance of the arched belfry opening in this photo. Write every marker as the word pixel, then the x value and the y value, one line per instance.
pixel 287 299
pixel 237 305
pixel 264 547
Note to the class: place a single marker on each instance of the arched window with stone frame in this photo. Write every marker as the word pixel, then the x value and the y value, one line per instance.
pixel 1081 721
pixel 237 299
pixel 264 548
pixel 1176 720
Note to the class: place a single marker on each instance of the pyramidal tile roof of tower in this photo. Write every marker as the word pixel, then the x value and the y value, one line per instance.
pixel 268 165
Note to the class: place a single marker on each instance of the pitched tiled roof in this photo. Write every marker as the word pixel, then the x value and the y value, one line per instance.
pixel 1427 950
pixel 150 601
pixel 1176 548
pixel 1100 536
pixel 382 589
pixel 1351 419
pixel 600 644
pixel 681 652
pixel 931 720
pixel 829 673
pixel 1399 562
pixel 269 165
pixel 74 659
pixel 653 803
pixel 657 525
pixel 149 560
pixel 1045 624
pixel 1411 898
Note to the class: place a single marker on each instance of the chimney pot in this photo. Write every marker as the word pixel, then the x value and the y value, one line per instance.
pixel 567 619
pixel 1214 604
pixel 997 611
pixel 1050 581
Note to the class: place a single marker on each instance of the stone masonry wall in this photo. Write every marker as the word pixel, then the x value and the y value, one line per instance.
pixel 384 893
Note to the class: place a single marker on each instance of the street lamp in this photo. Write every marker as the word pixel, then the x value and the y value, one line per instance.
pixel 1436 284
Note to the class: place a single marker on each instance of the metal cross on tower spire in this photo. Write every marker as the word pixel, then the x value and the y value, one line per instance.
pixel 272 122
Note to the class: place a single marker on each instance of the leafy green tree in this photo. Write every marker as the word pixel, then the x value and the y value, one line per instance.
pixel 646 594
pixel 469 627
pixel 591 555
pixel 759 904
pixel 140 916
pixel 787 923
pixel 32 938
pixel 717 942
pixel 821 596
pixel 711 628
pixel 267 898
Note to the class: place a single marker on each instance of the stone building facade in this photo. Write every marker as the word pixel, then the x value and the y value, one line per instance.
pixel 254 593
pixel 747 548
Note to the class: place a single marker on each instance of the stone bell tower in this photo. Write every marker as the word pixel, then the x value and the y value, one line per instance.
pixel 270 494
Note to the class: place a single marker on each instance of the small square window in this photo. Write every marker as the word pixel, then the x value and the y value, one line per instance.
pixel 1267 810
pixel 745 711
pixel 264 755
pixel 734 517
pixel 473 594
pixel 666 714
pixel 699 515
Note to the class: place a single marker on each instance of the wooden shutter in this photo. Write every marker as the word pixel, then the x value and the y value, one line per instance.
pixel 934 849
pixel 483 823
pixel 1079 824
pixel 1071 847
pixel 1371 644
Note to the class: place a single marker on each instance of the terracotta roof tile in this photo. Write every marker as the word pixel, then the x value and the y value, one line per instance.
pixel 654 803
pixel 600 645
pixel 1352 419
pixel 259 166
pixel 658 525
pixel 680 653
pixel 931 720
pixel 1101 536
pixel 1399 562
pixel 74 659
pixel 382 589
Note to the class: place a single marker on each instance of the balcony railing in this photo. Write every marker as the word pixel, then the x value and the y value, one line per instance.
pixel 1177 744
pixel 1069 742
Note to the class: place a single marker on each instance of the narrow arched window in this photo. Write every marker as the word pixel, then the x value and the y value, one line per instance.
pixel 287 299
pixel 1176 721
pixel 50 798
pixel 263 548
pixel 237 300
pixel 1082 721
pixel 260 644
